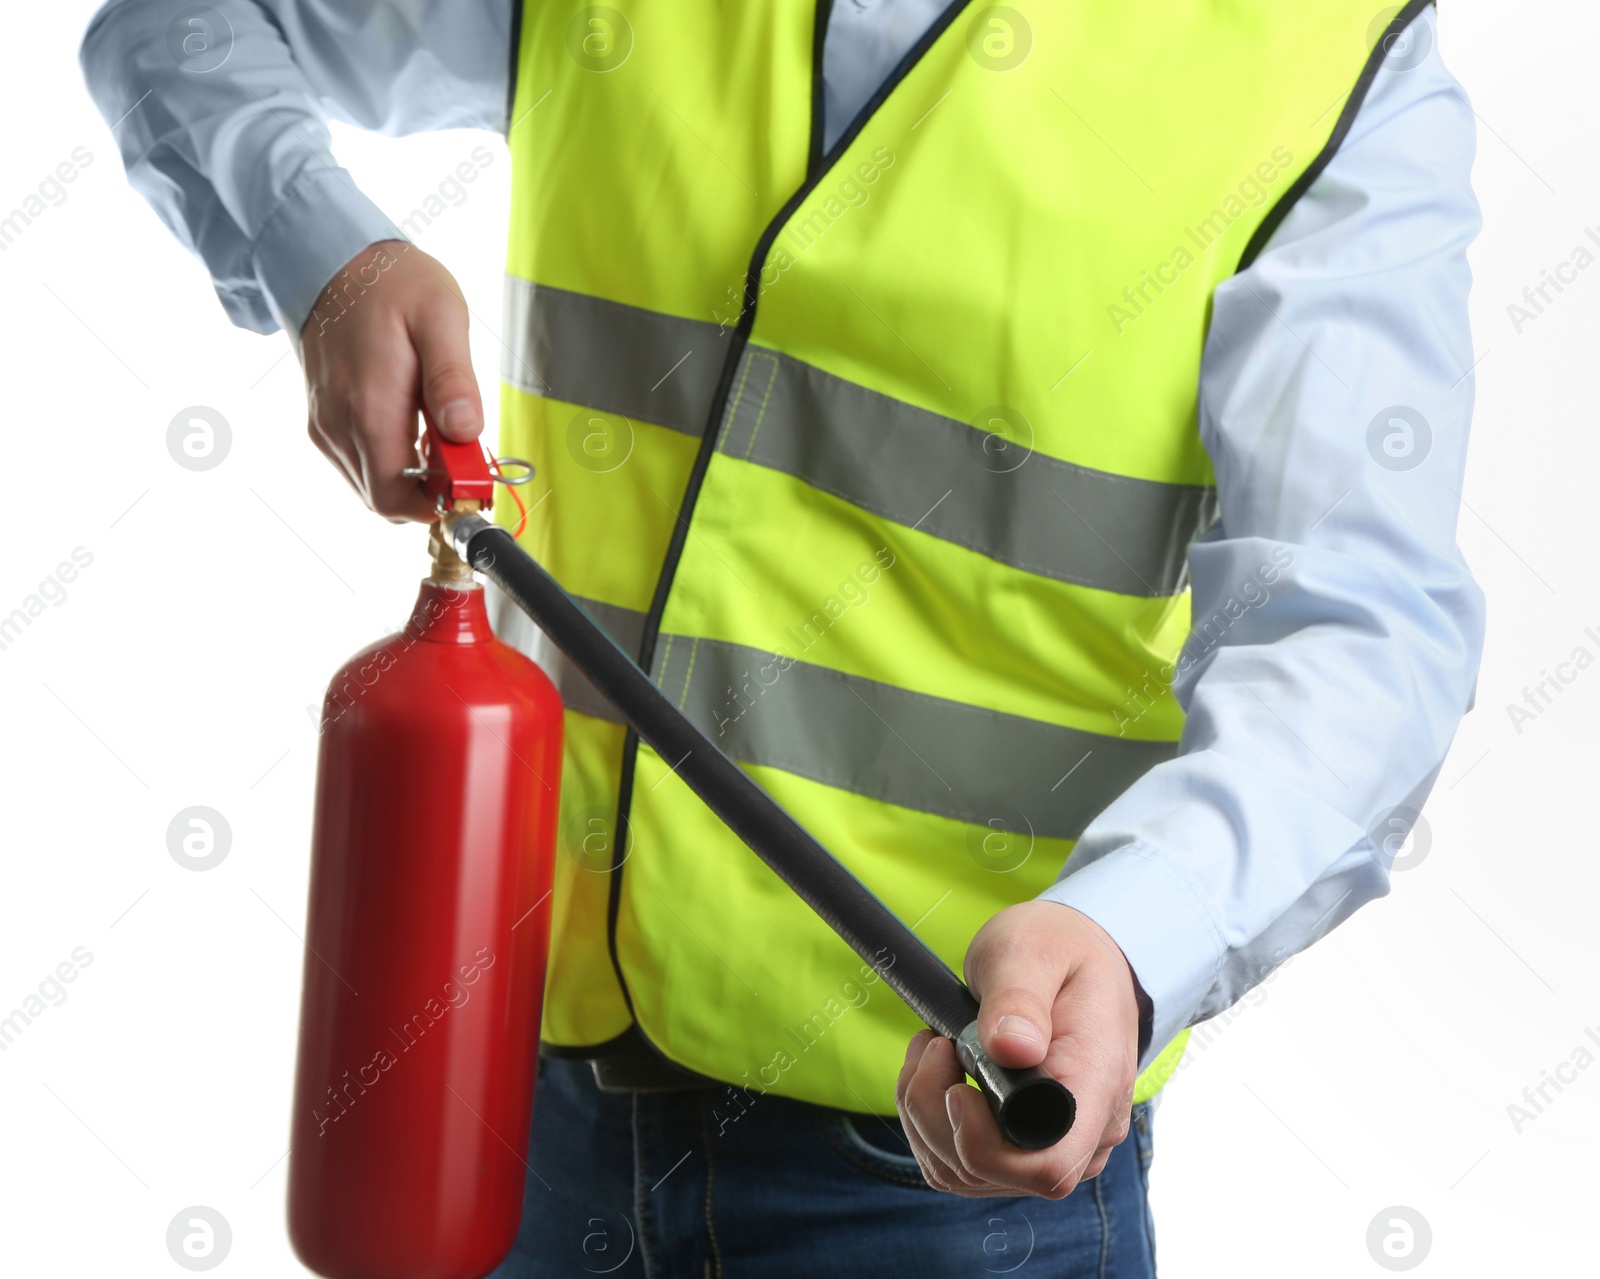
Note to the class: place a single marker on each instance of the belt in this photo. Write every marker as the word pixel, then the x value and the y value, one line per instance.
pixel 631 1063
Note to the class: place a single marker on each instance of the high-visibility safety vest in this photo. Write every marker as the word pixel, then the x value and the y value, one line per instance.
pixel 883 461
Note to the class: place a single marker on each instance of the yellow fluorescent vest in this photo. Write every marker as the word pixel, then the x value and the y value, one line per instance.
pixel 884 462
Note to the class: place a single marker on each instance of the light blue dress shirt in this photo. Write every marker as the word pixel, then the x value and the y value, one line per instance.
pixel 1337 628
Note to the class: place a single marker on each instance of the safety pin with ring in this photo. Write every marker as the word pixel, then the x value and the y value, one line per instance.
pixel 499 463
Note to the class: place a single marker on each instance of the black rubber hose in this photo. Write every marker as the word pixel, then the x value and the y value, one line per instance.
pixel 1034 1109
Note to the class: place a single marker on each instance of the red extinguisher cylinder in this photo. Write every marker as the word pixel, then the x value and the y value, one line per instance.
pixel 428 926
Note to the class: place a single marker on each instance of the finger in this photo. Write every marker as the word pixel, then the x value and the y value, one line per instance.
pixel 914 1051
pixel 936 1074
pixel 381 408
pixel 384 435
pixel 934 1172
pixel 449 387
pixel 1115 1134
pixel 363 417
pixel 966 1105
pixel 983 1151
pixel 926 1162
pixel 1016 985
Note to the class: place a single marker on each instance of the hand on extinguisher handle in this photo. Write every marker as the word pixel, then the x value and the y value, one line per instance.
pixel 1034 1110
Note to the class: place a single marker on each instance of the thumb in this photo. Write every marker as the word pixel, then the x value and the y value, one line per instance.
pixel 1017 988
pixel 449 389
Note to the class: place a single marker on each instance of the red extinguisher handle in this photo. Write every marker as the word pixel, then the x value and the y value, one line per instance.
pixel 1034 1109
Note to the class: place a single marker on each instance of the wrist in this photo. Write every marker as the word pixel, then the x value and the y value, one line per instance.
pixel 321 223
pixel 346 286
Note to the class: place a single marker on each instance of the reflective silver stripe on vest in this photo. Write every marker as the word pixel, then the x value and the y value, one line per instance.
pixel 515 628
pixel 980 489
pixel 609 356
pixel 983 489
pixel 925 753
pixel 904 748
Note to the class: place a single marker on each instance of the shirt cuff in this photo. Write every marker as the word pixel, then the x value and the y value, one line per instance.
pixel 322 222
pixel 1172 945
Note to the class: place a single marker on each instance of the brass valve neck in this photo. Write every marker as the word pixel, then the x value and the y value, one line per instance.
pixel 449 569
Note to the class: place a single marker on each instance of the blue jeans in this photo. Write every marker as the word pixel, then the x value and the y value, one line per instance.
pixel 696 1185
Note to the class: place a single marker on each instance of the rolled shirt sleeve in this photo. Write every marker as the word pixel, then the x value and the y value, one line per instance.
pixel 1336 628
pixel 221 120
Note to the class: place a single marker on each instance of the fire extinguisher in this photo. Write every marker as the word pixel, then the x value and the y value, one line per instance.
pixel 432 854
pixel 437 791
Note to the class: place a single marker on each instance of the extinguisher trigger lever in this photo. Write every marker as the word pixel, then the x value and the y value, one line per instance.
pixel 452 473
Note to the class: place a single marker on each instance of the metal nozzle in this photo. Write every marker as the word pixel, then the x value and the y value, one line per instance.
pixel 1034 1110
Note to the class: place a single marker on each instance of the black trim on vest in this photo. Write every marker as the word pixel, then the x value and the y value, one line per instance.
pixel 708 441
pixel 1341 128
pixel 516 62
pixel 819 42
pixel 902 69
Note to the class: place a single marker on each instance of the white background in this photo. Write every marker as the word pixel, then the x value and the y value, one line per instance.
pixel 1374 1071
